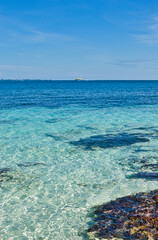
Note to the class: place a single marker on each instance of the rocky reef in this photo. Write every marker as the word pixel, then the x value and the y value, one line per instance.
pixel 131 217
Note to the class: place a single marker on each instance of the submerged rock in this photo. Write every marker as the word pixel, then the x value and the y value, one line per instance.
pixel 10 121
pixel 55 137
pixel 152 166
pixel 110 140
pixel 86 127
pixel 132 217
pixel 53 120
pixel 145 175
pixel 4 170
pixel 143 128
pixel 4 176
pixel 142 150
pixel 30 164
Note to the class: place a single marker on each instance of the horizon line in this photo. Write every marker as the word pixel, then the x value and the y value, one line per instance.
pixel 83 80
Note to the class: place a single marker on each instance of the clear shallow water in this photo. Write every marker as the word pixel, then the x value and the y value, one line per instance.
pixel 49 176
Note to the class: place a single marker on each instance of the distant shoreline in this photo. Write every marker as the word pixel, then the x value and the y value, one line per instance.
pixel 85 80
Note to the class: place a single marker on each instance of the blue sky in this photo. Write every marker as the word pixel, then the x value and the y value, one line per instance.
pixel 65 39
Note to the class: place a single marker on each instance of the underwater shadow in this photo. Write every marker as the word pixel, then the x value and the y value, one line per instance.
pixel 110 140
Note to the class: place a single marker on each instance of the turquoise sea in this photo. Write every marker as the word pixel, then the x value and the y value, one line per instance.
pixel 66 146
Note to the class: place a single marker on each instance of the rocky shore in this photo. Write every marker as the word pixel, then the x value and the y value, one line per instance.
pixel 130 217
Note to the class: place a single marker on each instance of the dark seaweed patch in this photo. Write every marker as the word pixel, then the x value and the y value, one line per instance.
pixel 110 141
pixel 143 128
pixel 10 121
pixel 142 160
pixel 27 104
pixel 4 170
pixel 145 175
pixel 152 166
pixel 30 164
pixel 87 127
pixel 131 217
pixel 55 137
pixel 53 120
pixel 4 176
pixel 142 150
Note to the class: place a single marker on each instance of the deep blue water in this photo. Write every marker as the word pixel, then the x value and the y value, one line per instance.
pixel 86 93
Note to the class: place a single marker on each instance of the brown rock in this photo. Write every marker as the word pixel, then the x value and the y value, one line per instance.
pixel 132 217
pixel 156 198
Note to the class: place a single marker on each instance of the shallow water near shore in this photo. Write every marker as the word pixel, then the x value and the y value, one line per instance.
pixel 68 146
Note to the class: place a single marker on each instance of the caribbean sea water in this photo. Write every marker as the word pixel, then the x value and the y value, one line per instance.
pixel 66 146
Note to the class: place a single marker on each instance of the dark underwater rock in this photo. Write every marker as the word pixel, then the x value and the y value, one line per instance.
pixel 152 166
pixel 86 127
pixel 143 128
pixel 53 120
pixel 4 170
pixel 131 217
pixel 29 164
pixel 4 178
pixel 146 175
pixel 10 121
pixel 135 159
pixel 142 150
pixel 4 174
pixel 56 138
pixel 110 140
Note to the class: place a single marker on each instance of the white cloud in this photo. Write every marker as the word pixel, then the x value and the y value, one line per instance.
pixel 125 62
pixel 150 33
pixel 13 29
pixel 38 36
pixel 35 36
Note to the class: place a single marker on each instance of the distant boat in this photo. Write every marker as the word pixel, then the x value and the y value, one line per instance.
pixel 78 79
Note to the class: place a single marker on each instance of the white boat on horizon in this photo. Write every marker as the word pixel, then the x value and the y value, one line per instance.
pixel 78 79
